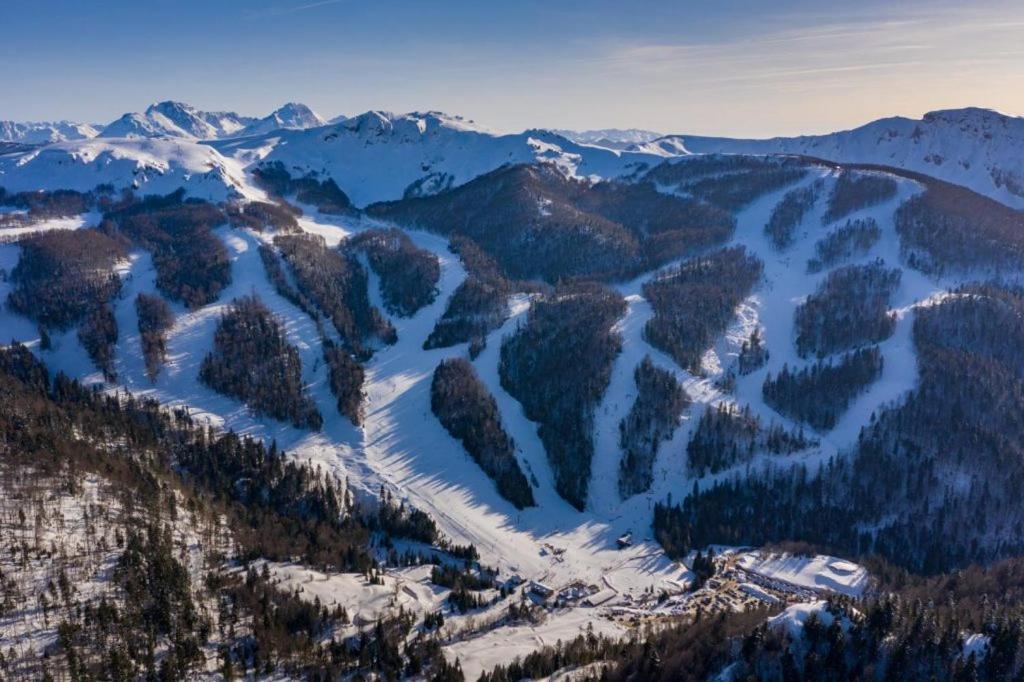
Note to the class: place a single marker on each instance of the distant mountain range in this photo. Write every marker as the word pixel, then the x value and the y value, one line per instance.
pixel 507 389
pixel 612 138
pixel 375 156
pixel 166 119
pixel 380 155
pixel 45 132
pixel 175 119
pixel 978 148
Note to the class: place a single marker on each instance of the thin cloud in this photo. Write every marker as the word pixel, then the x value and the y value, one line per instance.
pixel 905 43
pixel 293 9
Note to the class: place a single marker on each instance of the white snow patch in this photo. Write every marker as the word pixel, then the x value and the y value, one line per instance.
pixel 819 572
pixel 501 646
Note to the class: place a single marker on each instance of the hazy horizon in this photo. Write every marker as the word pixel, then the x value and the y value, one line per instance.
pixel 704 68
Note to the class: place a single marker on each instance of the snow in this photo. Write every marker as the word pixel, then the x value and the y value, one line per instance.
pixel 502 646
pixel 75 529
pixel 788 284
pixel 978 148
pixel 771 309
pixel 62 522
pixel 12 325
pixel 149 166
pixel 378 155
pixel 759 593
pixel 290 116
pixel 44 132
pixel 819 572
pixel 176 119
pixel 401 445
pixel 78 222
pixel 974 644
pixel 373 157
pixel 793 619
pixel 408 588
pixel 610 138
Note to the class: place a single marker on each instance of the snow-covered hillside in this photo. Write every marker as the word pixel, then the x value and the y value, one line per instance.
pixel 376 156
pixel 292 116
pixel 177 119
pixel 611 138
pixel 45 132
pixel 606 549
pixel 978 148
pixel 380 156
pixel 149 166
pixel 403 446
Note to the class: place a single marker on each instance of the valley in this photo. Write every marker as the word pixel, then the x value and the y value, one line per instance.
pixel 611 260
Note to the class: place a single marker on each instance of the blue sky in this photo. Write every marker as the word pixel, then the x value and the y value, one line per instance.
pixel 736 68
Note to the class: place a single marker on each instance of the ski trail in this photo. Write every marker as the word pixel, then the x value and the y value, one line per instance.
pixel 128 359
pixel 670 461
pixel 529 449
pixel 15 327
pixel 403 447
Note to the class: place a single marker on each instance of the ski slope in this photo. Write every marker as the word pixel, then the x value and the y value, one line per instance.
pixel 146 166
pixel 402 447
pixel 819 572
pixel 978 148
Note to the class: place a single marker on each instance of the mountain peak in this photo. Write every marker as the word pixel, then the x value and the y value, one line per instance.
pixel 45 132
pixel 297 115
pixel 171 118
pixel 170 106
pixel 975 147
pixel 965 113
pixel 289 116
pixel 611 138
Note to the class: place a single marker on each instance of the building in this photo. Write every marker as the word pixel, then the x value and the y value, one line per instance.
pixel 540 589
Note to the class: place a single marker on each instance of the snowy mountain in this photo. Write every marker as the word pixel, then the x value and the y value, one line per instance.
pixel 702 349
pixel 45 132
pixel 176 119
pixel 376 156
pixel 292 116
pixel 148 166
pixel 978 148
pixel 379 156
pixel 612 138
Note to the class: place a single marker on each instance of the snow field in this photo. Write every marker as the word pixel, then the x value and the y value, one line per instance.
pixel 75 530
pixel 819 572
pixel 498 647
pixel 403 447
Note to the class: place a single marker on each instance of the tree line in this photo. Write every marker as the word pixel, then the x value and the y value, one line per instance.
pixel 537 223
pixel 855 238
pixel 695 301
pixel 727 436
pixel 789 212
pixel 855 190
pixel 192 264
pixel 558 365
pixel 892 496
pixel 819 394
pixel 849 309
pixel 251 360
pixel 468 411
pixel 408 275
pixel 651 420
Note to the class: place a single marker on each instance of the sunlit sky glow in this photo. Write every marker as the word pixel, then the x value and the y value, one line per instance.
pixel 741 68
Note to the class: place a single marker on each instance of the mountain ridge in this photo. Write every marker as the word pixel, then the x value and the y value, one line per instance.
pixel 979 148
pixel 380 155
